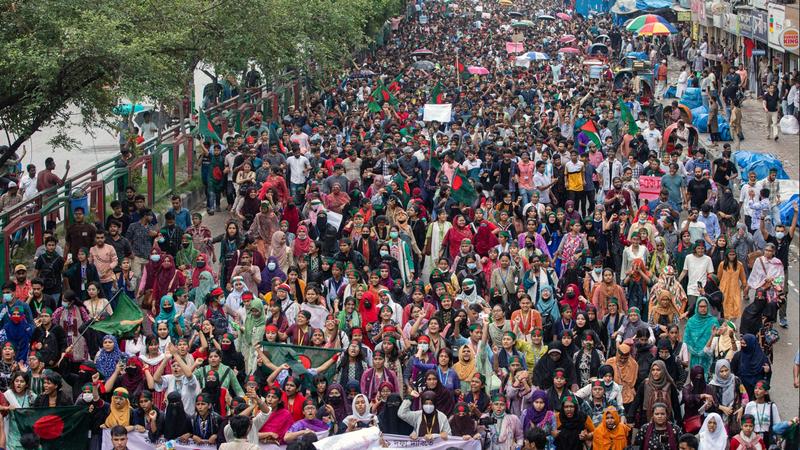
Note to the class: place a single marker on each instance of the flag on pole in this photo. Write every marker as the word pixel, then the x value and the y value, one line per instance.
pixel 462 190
pixel 383 95
pixel 437 94
pixel 589 129
pixel 206 128
pixel 627 117
pixel 57 428
pixel 127 316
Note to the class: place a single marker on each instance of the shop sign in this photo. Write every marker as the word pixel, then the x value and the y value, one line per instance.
pixel 790 39
pixel 759 52
pixel 776 14
pixel 759 25
pixel 684 16
pixel 699 11
pixel 730 24
pixel 745 24
pixel 760 4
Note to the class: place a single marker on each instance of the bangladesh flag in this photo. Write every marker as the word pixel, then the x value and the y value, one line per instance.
pixel 589 129
pixel 627 117
pixel 394 86
pixel 462 190
pixel 206 128
pixel 62 428
pixel 383 95
pixel 299 357
pixel 437 94
pixel 127 315
pixel 434 158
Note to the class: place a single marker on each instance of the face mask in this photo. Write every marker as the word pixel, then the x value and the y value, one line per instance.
pixel 155 258
pixel 393 234
pixel 365 235
pixel 468 289
pixel 7 297
pixel 161 240
pixel 423 347
pixel 16 319
pixel 779 235
pixel 471 266
pixel 335 400
pixel 598 270
pixel 384 253
pixel 225 347
pixel 130 371
pixel 428 409
pixel 642 219
pixel 200 264
pixel 185 245
pixel 271 266
pixel 87 397
pixel 212 384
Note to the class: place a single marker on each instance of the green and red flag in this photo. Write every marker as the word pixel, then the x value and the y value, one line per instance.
pixel 300 358
pixel 127 316
pixel 206 128
pixel 437 94
pixel 589 129
pixel 394 86
pixel 462 190
pixel 627 117
pixel 383 95
pixel 433 156
pixel 59 428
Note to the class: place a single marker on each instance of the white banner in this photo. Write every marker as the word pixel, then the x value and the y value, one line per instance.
pixel 365 439
pixel 439 113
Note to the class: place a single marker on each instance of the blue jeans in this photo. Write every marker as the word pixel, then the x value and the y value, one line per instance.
pixel 211 198
pixel 525 195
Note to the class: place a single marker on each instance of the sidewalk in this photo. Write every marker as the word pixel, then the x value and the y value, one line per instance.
pixel 754 124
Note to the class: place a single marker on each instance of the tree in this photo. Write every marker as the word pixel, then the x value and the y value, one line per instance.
pixel 62 54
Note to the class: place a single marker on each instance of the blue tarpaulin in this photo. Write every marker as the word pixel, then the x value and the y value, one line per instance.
pixel 586 7
pixel 653 4
pixel 786 210
pixel 691 98
pixel 700 121
pixel 760 163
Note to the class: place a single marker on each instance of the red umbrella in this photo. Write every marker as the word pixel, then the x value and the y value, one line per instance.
pixel 566 39
pixel 477 70
pixel 564 16
pixel 572 50
pixel 422 52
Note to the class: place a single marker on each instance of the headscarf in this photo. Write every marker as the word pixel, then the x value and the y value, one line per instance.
pixel 443 398
pixel 548 307
pixel 462 425
pixel 133 382
pixel 253 331
pixel 106 362
pixel 168 317
pixel 752 361
pixel 363 418
pixel 631 327
pixel 197 272
pixel 277 249
pixel 300 247
pixel 570 426
pixel 465 369
pixel 605 438
pixel 186 256
pixel 697 377
pixel 388 420
pixel 267 275
pixel 574 301
pixel 532 416
pixel 339 408
pixel 175 416
pixel 726 202
pixel 698 329
pixel 119 415
pixel 718 440
pixel 204 287
pixel 166 279
pixel 19 334
pixel 657 391
pixel 726 385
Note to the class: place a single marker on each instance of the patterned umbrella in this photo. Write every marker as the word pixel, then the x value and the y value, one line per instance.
pixel 657 29
pixel 564 16
pixel 639 22
pixel 536 56
pixel 566 39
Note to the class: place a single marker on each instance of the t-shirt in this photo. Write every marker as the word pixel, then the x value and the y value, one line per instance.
pixel 652 137
pixel 762 413
pixel 149 130
pixel 698 191
pixel 723 169
pixel 539 180
pixel 574 176
pixel 297 166
pixel 698 270
pixel 772 101
pixel 673 185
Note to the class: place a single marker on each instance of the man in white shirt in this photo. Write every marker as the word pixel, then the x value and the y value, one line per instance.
pixel 744 197
pixel 652 136
pixel 609 169
pixel 542 182
pixel 300 139
pixel 299 167
pixel 148 129
pixel 27 184
pixel 697 266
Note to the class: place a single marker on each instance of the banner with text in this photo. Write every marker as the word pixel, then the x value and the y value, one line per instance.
pixel 649 187
pixel 364 439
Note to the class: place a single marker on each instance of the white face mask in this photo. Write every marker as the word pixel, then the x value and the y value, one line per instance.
pixel 779 235
pixel 87 397
pixel 423 347
pixel 271 266
pixel 428 409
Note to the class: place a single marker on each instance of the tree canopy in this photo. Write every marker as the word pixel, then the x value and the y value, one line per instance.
pixel 59 54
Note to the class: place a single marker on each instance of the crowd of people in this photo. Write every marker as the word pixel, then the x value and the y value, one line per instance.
pixel 499 277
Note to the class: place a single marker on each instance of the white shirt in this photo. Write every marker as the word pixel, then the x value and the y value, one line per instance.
pixel 762 413
pixel 297 166
pixel 188 387
pixel 653 138
pixel 28 186
pixel 697 271
pixel 744 197
pixel 697 230
pixel 149 130
pixel 608 170
pixel 539 180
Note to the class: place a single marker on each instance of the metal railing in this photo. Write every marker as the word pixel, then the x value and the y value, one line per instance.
pixel 26 220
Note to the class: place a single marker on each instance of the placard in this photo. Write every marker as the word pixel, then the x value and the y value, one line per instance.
pixel 439 113
pixel 649 187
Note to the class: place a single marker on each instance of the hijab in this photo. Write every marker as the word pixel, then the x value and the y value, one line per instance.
pixel 752 360
pixel 718 440
pixel 366 417
pixel 388 420
pixel 106 361
pixel 532 416
pixel 339 407
pixel 698 328
pixel 606 438
pixel 443 398
pixel 300 247
pixel 548 307
pixel 657 391
pixel 267 275
pixel 253 331
pixel 204 287
pixel 186 256
pixel 167 317
pixel 462 425
pixel 571 427
pixel 726 385
pixel 119 415
pixel 175 416
pixel 465 369
pixel 277 249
